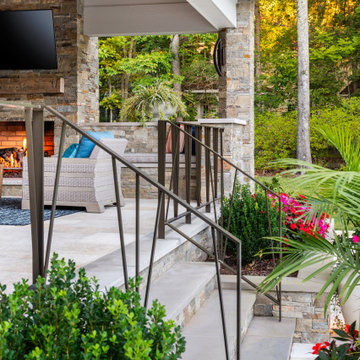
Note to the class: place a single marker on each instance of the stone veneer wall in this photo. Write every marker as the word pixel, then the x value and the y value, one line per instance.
pixel 311 324
pixel 77 64
pixel 236 87
pixel 142 141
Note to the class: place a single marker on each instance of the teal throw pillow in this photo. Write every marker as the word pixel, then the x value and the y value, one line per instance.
pixel 86 146
pixel 71 151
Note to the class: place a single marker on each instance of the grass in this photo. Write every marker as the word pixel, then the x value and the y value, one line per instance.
pixel 286 184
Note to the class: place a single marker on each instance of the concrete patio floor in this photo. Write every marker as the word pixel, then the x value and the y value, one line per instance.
pixel 82 237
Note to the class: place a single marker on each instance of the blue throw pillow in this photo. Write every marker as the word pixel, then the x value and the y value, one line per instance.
pixel 86 146
pixel 71 151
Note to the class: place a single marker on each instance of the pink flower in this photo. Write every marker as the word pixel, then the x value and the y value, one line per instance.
pixel 355 239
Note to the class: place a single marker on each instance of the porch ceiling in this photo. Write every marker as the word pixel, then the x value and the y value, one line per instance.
pixel 141 17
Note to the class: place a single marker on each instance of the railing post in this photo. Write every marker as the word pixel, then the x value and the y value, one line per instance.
pixel 222 164
pixel 120 223
pixel 198 148
pixel 137 229
pixel 54 199
pixel 175 141
pixel 238 303
pixel 188 148
pixel 207 168
pixel 161 174
pixel 34 122
pixel 216 159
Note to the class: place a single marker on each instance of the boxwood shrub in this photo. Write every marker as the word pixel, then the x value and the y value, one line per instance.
pixel 69 318
pixel 249 221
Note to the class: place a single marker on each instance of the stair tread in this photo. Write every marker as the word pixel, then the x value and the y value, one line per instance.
pixel 108 268
pixel 302 352
pixel 275 338
pixel 178 287
pixel 204 336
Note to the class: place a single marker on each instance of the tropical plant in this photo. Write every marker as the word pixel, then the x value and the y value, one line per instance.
pixel 336 191
pixel 333 190
pixel 70 318
pixel 148 99
pixel 348 350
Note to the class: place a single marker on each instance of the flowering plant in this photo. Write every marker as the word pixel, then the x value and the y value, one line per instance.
pixel 349 349
pixel 299 216
pixel 334 191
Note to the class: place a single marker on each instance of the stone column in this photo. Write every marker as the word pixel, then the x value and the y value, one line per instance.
pixel 236 87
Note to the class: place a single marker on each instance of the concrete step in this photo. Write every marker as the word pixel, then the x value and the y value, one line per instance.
pixel 183 289
pixel 269 339
pixel 108 269
pixel 204 335
pixel 302 352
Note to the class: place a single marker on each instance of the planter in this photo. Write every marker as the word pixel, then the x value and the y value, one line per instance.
pixel 163 111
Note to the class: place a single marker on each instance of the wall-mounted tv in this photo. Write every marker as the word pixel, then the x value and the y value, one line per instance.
pixel 27 40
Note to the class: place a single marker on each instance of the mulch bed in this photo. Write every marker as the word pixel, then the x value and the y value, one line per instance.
pixel 259 267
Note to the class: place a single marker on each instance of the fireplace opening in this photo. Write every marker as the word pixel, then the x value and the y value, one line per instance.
pixel 13 146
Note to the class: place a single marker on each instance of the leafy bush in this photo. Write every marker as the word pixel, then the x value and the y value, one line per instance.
pixel 69 318
pixel 249 221
pixel 276 134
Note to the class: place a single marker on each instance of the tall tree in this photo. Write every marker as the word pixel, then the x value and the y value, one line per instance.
pixel 175 49
pixel 303 131
pixel 257 44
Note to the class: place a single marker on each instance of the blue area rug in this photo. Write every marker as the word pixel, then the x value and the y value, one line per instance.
pixel 11 213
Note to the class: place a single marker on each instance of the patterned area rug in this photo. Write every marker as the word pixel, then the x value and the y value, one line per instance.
pixel 11 213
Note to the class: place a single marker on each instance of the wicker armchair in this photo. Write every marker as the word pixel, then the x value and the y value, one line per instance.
pixel 85 183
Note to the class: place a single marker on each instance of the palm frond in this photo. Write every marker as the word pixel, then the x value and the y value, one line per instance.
pixel 344 141
pixel 312 250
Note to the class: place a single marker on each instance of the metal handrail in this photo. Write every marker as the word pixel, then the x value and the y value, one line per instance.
pixel 34 121
pixel 218 154
pixel 144 175
pixel 237 169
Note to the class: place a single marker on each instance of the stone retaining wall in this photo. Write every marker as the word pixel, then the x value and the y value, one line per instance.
pixel 311 325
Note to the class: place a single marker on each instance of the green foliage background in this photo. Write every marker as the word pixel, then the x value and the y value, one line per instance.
pixel 275 133
pixel 129 63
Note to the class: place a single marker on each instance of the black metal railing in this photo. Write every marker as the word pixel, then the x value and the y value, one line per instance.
pixel 208 143
pixel 34 120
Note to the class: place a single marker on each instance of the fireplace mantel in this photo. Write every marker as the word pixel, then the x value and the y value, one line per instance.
pixel 31 85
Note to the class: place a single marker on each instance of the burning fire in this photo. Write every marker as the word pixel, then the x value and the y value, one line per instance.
pixel 12 157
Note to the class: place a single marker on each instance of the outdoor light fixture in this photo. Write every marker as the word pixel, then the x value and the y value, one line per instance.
pixel 219 58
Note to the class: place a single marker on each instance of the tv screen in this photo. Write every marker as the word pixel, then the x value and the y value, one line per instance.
pixel 27 40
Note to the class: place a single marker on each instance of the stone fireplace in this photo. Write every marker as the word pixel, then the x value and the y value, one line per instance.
pixel 13 147
pixel 72 89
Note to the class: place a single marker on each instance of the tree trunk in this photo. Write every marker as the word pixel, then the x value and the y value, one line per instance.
pixel 303 133
pixel 110 93
pixel 175 49
pixel 257 44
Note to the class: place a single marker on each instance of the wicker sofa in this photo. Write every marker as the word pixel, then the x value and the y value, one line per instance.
pixel 85 183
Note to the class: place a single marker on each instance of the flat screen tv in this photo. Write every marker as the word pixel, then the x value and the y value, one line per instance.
pixel 27 40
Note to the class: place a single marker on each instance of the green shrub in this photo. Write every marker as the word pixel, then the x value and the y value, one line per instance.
pixel 69 318
pixel 276 134
pixel 249 221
